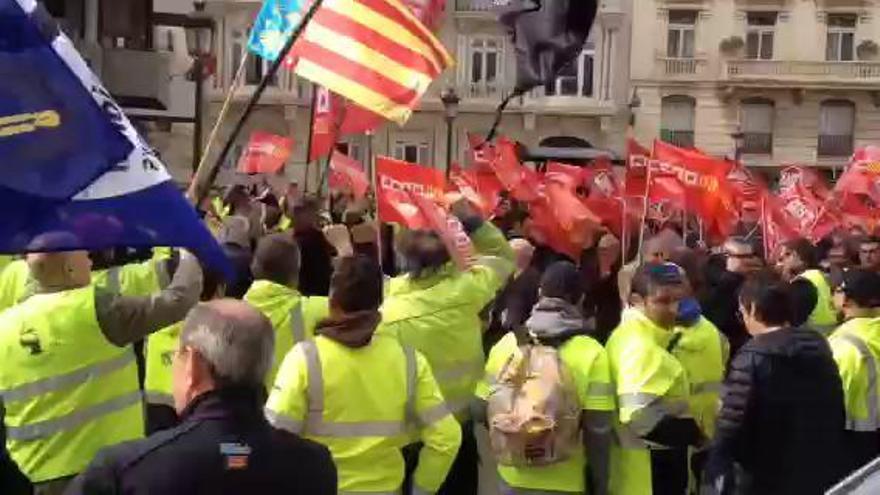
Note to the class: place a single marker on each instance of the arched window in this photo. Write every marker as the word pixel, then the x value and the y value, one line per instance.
pixel 837 122
pixel 756 123
pixel 677 120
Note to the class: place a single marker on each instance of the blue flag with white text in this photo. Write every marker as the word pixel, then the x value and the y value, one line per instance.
pixel 274 26
pixel 75 174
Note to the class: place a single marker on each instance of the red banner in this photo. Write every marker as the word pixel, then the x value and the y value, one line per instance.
pixel 394 180
pixel 468 184
pixel 448 227
pixel 348 173
pixel 325 124
pixel 522 182
pixel 265 153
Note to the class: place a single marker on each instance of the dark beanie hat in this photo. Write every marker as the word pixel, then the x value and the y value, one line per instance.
pixel 862 287
pixel 563 281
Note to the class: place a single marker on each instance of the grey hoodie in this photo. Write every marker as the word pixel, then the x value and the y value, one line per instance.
pixel 554 321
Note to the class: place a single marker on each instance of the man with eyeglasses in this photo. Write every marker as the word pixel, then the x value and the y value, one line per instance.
pixel 725 275
pixel 869 253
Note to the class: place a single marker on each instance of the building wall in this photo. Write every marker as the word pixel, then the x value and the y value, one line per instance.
pixel 800 35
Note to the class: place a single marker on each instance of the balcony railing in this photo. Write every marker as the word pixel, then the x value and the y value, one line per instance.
pixel 474 6
pixel 757 143
pixel 682 67
pixel 807 71
pixel 682 139
pixel 841 145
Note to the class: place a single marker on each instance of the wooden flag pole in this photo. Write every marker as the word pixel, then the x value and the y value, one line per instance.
pixel 309 142
pixel 206 175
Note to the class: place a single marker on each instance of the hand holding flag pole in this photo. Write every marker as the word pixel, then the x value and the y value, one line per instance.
pixel 206 175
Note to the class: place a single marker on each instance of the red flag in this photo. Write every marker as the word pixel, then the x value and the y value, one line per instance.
pixel 667 188
pixel 572 215
pixel 448 228
pixel 634 148
pixel 394 178
pixel 578 175
pixel 325 124
pixel 804 179
pixel 346 172
pixel 545 229
pixel 265 153
pixel 522 182
pixel 862 175
pixel 356 119
pixel 480 153
pixel 704 178
pixel 776 225
pixel 467 183
pixel 748 190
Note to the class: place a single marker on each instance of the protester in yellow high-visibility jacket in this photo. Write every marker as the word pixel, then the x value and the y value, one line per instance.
pixel 435 308
pixel 856 348
pixel 654 427
pixel 69 380
pixel 274 292
pixel 557 322
pixel 361 394
pixel 810 289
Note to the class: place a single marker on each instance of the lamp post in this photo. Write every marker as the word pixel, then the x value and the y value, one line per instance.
pixel 739 139
pixel 634 103
pixel 199 41
pixel 450 105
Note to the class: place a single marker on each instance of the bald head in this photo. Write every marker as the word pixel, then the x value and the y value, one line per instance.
pixel 61 270
pixel 235 340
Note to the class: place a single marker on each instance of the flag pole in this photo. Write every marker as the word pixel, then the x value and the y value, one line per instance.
pixel 236 83
pixel 644 212
pixel 311 131
pixel 206 175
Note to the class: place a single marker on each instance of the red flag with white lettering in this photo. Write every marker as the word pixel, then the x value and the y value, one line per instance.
pixel 326 117
pixel 394 179
pixel 266 153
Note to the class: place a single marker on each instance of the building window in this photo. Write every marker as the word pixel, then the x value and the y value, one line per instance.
pixel 681 35
pixel 255 66
pixel 413 150
pixel 840 42
pixel 837 121
pixel 760 35
pixel 485 66
pixel 353 149
pixel 756 123
pixel 576 78
pixel 677 120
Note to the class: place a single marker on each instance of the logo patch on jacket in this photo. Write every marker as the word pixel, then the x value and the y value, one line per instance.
pixel 236 455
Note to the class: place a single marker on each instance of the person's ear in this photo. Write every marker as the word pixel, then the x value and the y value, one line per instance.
pixel 198 370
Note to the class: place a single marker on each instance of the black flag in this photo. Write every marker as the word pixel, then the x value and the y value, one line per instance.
pixel 547 35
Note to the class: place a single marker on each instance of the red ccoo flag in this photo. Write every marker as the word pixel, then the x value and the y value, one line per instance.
pixel 348 173
pixel 394 180
pixel 265 153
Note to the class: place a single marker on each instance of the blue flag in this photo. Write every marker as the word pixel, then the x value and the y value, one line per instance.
pixel 273 27
pixel 76 174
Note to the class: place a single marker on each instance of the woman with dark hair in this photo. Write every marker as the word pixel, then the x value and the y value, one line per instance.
pixel 780 429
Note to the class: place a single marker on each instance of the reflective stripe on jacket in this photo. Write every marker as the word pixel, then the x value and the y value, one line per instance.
pixel 363 404
pixel 293 316
pixel 68 392
pixel 856 347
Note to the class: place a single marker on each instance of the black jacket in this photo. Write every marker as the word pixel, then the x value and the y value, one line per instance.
pixel 720 304
pixel 782 417
pixel 316 262
pixel 223 445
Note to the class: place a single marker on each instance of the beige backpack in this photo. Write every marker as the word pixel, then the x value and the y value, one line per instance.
pixel 533 411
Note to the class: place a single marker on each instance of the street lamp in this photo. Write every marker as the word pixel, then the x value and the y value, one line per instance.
pixel 739 140
pixel 199 42
pixel 634 103
pixel 450 105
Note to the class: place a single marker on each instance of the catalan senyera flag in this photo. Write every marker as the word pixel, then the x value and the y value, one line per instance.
pixel 376 53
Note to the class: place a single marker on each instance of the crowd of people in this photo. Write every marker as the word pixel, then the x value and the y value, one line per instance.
pixel 342 357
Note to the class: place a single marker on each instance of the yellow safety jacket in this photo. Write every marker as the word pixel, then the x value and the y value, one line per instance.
pixel 856 348
pixel 823 317
pixel 14 283
pixel 703 351
pixel 161 347
pixel 440 315
pixel 293 316
pixel 68 392
pixel 586 360
pixel 363 404
pixel 651 384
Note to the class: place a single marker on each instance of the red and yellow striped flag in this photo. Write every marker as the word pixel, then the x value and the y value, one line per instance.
pixel 376 53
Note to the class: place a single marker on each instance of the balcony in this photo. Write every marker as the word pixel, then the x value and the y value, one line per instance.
pixel 682 68
pixel 479 7
pixel 135 78
pixel 835 146
pixel 803 73
pixel 757 143
pixel 682 139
